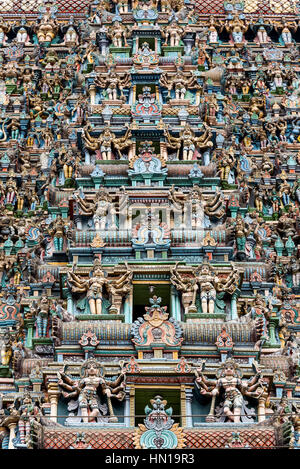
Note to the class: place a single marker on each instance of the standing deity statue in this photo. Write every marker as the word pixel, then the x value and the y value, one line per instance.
pixel 42 313
pixel 70 34
pixel 46 29
pixel 102 209
pixel 113 82
pixel 210 287
pixel 241 233
pixel 28 411
pixel 22 36
pixel 94 287
pixel 233 388
pixel 173 33
pixel 195 208
pixel 286 38
pixel 5 347
pixel 69 162
pixel 225 162
pixel 118 34
pixel 236 28
pixel 209 284
pixel 189 142
pixel 86 389
pixel 106 141
pixel 180 83
pixel 58 232
pixel 262 28
pixel 4 29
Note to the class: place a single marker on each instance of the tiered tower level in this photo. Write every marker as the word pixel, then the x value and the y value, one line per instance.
pixel 150 229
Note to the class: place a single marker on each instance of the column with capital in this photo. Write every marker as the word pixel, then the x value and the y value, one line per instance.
pixel 261 414
pixel 53 393
pixel 12 424
pixel 188 407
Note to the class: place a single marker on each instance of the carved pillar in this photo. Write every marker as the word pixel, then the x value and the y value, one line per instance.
pixel 127 408
pixel 69 303
pixel 234 313
pixel 132 406
pixel 175 304
pixel 92 91
pixel 29 324
pixel 183 405
pixel 12 432
pixel 163 150
pixel 53 393
pixel 131 152
pixel 116 304
pixel 272 327
pixel 262 407
pixel 87 158
pixel 128 307
pixel 188 407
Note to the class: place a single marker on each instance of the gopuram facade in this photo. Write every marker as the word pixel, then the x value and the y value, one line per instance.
pixel 150 224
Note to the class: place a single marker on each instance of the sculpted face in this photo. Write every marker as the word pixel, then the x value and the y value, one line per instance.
pixel 92 370
pixel 229 370
pixel 98 272
pixel 205 270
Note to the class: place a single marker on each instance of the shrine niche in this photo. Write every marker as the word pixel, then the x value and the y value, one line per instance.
pixel 155 331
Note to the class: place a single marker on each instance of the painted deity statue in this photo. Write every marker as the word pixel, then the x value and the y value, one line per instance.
pixel 94 286
pixel 236 28
pixel 173 34
pixel 241 233
pixel 189 142
pixel 58 232
pixel 5 348
pixel 208 284
pixel 28 411
pixel 113 83
pixel 233 388
pixel 195 208
pixel 102 209
pixel 87 387
pixel 4 29
pixel 286 29
pixel 106 141
pixel 118 34
pixel 42 316
pixel 179 83
pixel 47 29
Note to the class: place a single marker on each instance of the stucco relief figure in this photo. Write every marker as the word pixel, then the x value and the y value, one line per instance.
pixel 233 390
pixel 47 29
pixel 94 287
pixel 106 142
pixel 188 142
pixel 236 28
pixel 180 82
pixel 114 84
pixel 86 391
pixel 195 208
pixel 101 208
pixel 208 285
